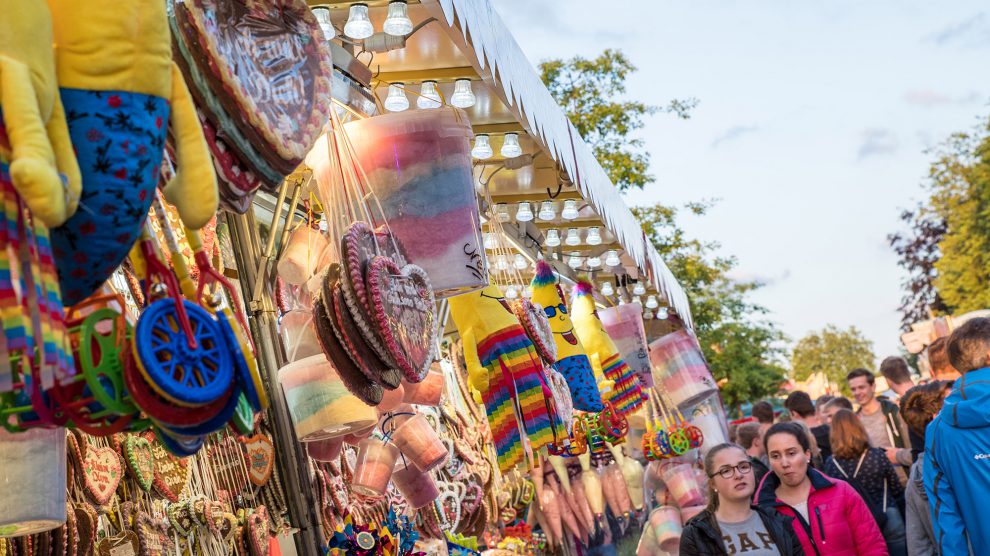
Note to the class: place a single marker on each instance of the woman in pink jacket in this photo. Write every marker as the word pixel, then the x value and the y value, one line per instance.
pixel 831 518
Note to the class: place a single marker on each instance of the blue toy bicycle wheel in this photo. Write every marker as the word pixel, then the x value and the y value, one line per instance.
pixel 214 424
pixel 184 447
pixel 185 376
pixel 244 377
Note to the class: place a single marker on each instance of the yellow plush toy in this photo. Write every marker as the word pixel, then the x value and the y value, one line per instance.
pixel 121 92
pixel 40 148
pixel 502 363
pixel 572 359
pixel 627 393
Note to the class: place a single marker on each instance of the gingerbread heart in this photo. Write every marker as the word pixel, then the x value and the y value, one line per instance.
pixel 101 474
pixel 534 322
pixel 448 506
pixel 86 525
pixel 227 527
pixel 125 543
pixel 259 455
pixel 257 532
pixel 140 460
pixel 227 461
pixel 352 377
pixel 405 315
pixel 153 539
pixel 473 495
pixel 180 515
pixel 171 472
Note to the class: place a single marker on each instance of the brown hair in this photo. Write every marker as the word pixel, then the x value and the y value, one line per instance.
pixel 969 344
pixel 747 433
pixel 848 436
pixel 709 471
pixel 938 356
pixel 895 370
pixel 841 402
pixel 856 373
pixel 800 402
pixel 763 412
pixel 921 403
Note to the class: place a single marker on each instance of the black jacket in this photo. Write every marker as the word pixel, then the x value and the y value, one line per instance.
pixel 701 536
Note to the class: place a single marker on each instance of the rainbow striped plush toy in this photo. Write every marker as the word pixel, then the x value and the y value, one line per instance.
pixel 627 395
pixel 572 360
pixel 503 365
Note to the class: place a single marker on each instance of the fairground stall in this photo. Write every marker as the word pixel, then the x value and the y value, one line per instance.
pixel 337 278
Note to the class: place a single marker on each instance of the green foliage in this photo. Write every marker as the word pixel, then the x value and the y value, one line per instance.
pixel 834 353
pixel 589 91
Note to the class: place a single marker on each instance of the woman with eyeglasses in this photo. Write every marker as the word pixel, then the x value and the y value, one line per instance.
pixel 731 524
pixel 829 516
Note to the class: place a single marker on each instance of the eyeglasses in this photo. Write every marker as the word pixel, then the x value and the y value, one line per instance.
pixel 728 471
pixel 551 311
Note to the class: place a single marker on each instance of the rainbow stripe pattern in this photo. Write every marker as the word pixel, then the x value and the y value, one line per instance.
pixel 517 396
pixel 627 395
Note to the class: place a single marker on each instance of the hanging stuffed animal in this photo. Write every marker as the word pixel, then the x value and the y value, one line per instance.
pixel 121 92
pixel 503 365
pixel 572 361
pixel 32 113
pixel 627 393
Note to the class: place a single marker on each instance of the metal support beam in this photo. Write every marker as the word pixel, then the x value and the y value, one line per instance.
pixel 432 74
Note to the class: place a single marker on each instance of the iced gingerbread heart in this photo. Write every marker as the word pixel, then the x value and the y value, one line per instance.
pixel 140 460
pixel 537 327
pixel 353 379
pixel 257 532
pixel 101 474
pixel 404 314
pixel 259 455
pixel 171 473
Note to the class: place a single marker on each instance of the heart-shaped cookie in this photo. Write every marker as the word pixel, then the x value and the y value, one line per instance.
pixel 101 474
pixel 171 473
pixel 534 322
pixel 405 315
pixel 259 455
pixel 226 458
pixel 153 538
pixel 352 377
pixel 257 532
pixel 473 495
pixel 125 543
pixel 180 515
pixel 86 525
pixel 448 506
pixel 140 460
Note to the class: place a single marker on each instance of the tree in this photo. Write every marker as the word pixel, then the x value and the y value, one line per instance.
pixel 832 352
pixel 588 91
pixel 917 253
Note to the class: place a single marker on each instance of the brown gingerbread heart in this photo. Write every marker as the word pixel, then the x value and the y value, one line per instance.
pixel 101 474
pixel 259 455
pixel 140 460
pixel 125 543
pixel 153 538
pixel 171 473
pixel 405 314
pixel 534 322
pixel 256 531
pixel 86 525
pixel 353 379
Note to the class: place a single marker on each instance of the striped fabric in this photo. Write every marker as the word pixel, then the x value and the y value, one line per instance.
pixel 627 394
pixel 517 395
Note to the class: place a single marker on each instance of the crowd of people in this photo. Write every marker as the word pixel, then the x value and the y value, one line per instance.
pixel 901 472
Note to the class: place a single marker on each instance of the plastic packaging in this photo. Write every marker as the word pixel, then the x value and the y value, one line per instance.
pixel 420 444
pixel 319 404
pixel 666 524
pixel 678 362
pixel 709 416
pixel 375 462
pixel 32 481
pixel 299 334
pixel 682 483
pixel 417 487
pixel 624 323
pixel 428 392
pixel 302 255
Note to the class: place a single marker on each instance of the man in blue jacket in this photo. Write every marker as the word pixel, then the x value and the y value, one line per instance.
pixel 957 447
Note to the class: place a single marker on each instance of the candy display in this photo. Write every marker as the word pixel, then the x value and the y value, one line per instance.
pixel 679 364
pixel 373 470
pixel 682 483
pixel 33 475
pixel 419 444
pixel 666 524
pixel 320 405
pixel 624 324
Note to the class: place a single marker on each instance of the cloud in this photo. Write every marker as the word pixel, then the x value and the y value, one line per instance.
pixel 734 133
pixel 972 32
pixel 928 98
pixel 877 141
pixel 767 280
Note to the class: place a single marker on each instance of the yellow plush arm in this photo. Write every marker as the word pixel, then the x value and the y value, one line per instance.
pixel 477 375
pixel 32 165
pixel 604 384
pixel 193 190
pixel 65 156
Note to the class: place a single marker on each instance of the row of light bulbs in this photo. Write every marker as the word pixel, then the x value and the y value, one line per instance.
pixel 429 97
pixel 359 27
pixel 548 212
pixel 482 149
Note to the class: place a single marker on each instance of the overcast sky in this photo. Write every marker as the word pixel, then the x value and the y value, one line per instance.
pixel 812 127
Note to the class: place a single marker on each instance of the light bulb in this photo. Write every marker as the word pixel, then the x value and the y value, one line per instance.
pixel 502 263
pixel 490 240
pixel 519 262
pixel 570 211
pixel 396 101
pixel 639 289
pixel 648 315
pixel 527 292
pixel 511 293
pixel 511 148
pixel 651 302
pixel 607 289
pixel 612 258
pixel 524 213
pixel 574 261
pixel 662 313
pixel 398 23
pixel 636 299
pixel 323 17
pixel 572 238
pixel 482 148
pixel 594 262
pixel 463 96
pixel 429 96
pixel 358 25
pixel 502 212
pixel 594 236
pixel 547 211
pixel 553 238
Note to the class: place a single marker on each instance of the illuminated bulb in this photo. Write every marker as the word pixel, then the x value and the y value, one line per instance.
pixel 553 238
pixel 594 262
pixel 323 17
pixel 570 211
pixel 463 96
pixel 398 23
pixel 662 313
pixel 547 211
pixel 490 240
pixel 502 212
pixel 612 258
pixel 524 213
pixel 429 96
pixel 648 315
pixel 574 261
pixel 358 25
pixel 482 147
pixel 528 292
pixel 651 302
pixel 396 101
pixel 607 289
pixel 572 238
pixel 519 262
pixel 511 293
pixel 639 289
pixel 594 236
pixel 511 148
pixel 502 263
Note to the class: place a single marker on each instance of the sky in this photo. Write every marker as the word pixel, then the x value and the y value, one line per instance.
pixel 812 128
